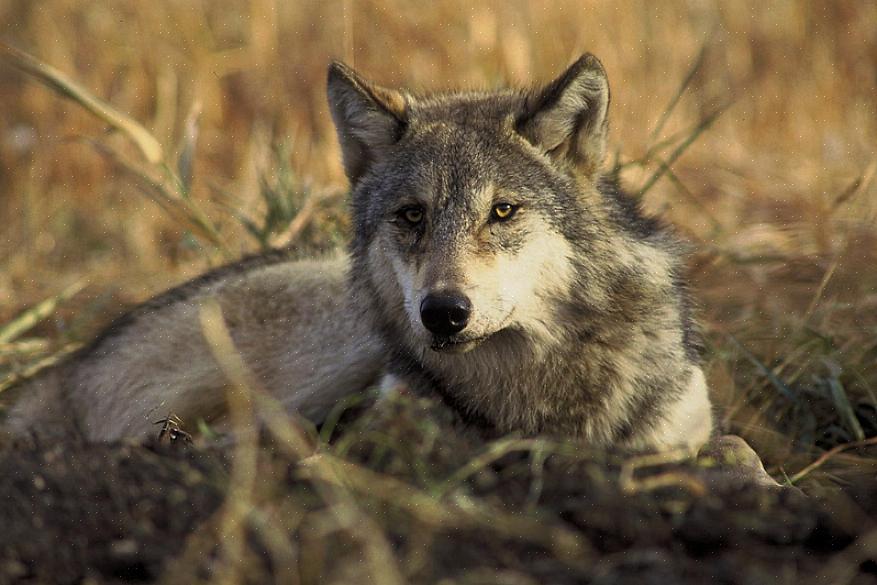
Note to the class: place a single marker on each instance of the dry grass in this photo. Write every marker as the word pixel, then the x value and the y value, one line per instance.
pixel 777 196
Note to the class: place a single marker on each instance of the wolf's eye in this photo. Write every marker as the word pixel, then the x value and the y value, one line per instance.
pixel 413 215
pixel 503 211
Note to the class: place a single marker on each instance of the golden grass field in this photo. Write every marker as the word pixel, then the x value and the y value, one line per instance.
pixel 751 126
pixel 777 197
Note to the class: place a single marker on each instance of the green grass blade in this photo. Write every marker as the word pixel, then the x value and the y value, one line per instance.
pixel 775 381
pixel 842 404
pixel 24 322
pixel 186 159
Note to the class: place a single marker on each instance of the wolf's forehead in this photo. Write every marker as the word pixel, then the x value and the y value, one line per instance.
pixel 458 150
pixel 452 162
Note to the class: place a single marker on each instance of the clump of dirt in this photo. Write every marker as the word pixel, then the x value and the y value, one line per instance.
pixel 404 492
pixel 112 512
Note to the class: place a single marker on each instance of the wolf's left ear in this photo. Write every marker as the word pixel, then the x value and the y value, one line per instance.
pixel 368 118
pixel 567 119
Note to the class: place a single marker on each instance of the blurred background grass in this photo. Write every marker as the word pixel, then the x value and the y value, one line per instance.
pixel 777 197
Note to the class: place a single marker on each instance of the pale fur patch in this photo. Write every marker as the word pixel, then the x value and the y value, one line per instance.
pixel 405 277
pixel 516 286
pixel 688 422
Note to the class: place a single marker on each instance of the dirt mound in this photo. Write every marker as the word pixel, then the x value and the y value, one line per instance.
pixel 402 495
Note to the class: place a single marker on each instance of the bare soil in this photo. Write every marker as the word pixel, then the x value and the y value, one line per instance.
pixel 75 513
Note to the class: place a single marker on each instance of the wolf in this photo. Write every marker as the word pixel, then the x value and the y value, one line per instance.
pixel 494 263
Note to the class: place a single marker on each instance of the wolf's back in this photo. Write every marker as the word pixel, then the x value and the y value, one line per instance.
pixel 290 321
pixel 40 408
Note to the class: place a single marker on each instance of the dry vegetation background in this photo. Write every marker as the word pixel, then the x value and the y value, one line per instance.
pixel 777 197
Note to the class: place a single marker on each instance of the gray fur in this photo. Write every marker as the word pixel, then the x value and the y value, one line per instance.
pixel 602 346
pixel 292 322
pixel 580 322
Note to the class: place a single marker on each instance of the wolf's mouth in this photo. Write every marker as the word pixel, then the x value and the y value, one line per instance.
pixel 460 344
pixel 451 345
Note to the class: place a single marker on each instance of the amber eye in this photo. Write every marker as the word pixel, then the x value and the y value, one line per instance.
pixel 413 215
pixel 503 211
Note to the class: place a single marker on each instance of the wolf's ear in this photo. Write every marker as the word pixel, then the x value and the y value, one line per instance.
pixel 368 118
pixel 567 119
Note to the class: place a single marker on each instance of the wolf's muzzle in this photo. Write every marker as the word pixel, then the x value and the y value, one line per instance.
pixel 445 313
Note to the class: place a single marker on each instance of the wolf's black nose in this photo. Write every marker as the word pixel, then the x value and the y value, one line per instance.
pixel 445 313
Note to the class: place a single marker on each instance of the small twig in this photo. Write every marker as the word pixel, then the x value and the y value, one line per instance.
pixel 538 456
pixel 23 347
pixel 662 480
pixel 823 459
pixel 631 485
pixel 819 291
pixel 859 185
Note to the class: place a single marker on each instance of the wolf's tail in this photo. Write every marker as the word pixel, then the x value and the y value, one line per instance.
pixel 40 409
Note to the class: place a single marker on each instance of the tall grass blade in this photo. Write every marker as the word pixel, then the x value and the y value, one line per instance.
pixel 183 210
pixel 698 130
pixel 36 367
pixel 24 322
pixel 241 409
pixel 66 87
pixel 668 111
pixel 186 159
pixel 842 402
pixel 775 381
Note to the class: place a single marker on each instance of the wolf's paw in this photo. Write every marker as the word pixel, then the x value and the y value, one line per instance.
pixel 735 460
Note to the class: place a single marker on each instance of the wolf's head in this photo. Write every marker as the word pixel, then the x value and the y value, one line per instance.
pixel 468 207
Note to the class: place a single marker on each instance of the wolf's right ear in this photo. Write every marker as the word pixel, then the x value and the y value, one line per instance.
pixel 369 119
pixel 568 118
